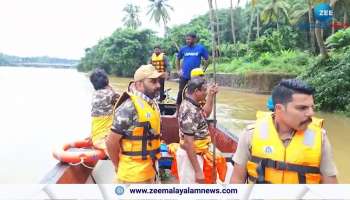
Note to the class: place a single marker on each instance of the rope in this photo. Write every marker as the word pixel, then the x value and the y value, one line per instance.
pixel 81 163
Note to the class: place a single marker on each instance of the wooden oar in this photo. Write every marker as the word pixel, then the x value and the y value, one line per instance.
pixel 211 16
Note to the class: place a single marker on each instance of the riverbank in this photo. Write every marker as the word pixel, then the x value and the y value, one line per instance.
pixel 261 83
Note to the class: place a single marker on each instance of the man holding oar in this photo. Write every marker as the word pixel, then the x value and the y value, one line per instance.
pixel 193 157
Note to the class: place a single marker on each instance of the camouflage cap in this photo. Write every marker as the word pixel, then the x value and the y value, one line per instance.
pixel 147 71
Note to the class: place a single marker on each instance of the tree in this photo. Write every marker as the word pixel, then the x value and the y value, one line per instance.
pixel 274 11
pixel 121 53
pixel 131 19
pixel 311 30
pixel 233 31
pixel 251 22
pixel 158 11
pixel 303 9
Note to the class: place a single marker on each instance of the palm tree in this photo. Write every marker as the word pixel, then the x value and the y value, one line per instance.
pixel 233 31
pixel 311 21
pixel 131 19
pixel 302 10
pixel 274 11
pixel 158 11
pixel 251 22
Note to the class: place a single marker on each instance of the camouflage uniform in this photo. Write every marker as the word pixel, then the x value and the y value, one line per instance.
pixel 125 116
pixel 124 122
pixel 102 102
pixel 192 120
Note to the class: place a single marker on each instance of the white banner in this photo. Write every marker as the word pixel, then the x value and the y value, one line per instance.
pixel 171 191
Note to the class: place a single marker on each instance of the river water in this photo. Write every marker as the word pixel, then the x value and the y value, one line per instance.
pixel 42 108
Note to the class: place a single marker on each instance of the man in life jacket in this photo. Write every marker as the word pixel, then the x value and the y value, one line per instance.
pixel 161 63
pixel 194 131
pixel 103 101
pixel 134 141
pixel 286 146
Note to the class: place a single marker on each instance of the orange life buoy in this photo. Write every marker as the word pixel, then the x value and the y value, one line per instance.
pixel 88 155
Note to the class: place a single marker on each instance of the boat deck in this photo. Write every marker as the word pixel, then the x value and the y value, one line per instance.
pixel 103 173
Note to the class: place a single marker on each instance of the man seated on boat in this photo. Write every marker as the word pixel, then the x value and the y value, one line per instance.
pixel 286 146
pixel 103 101
pixel 194 132
pixel 134 142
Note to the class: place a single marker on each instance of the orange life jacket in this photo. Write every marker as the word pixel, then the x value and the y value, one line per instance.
pixel 158 62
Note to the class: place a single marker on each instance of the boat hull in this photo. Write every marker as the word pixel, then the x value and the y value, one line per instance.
pixel 225 141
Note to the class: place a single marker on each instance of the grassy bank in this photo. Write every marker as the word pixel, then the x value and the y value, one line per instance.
pixel 291 62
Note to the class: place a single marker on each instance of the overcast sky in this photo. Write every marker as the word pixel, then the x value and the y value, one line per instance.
pixel 64 28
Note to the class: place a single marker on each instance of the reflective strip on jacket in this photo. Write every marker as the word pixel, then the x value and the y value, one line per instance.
pixel 158 62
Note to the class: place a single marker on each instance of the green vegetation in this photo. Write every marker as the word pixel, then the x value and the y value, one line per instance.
pixel 120 53
pixel 331 77
pixel 283 62
pixel 263 36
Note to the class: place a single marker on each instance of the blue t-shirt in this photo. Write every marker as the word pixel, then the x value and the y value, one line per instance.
pixel 191 58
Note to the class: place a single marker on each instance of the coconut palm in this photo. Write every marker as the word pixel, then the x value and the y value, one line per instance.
pixel 251 22
pixel 131 19
pixel 158 9
pixel 301 10
pixel 274 11
pixel 233 31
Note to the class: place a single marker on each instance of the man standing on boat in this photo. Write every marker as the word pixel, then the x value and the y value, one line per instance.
pixel 161 63
pixel 286 146
pixel 194 131
pixel 192 55
pixel 134 142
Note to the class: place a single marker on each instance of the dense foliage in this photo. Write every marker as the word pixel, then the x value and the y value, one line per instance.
pixel 121 53
pixel 269 36
pixel 331 77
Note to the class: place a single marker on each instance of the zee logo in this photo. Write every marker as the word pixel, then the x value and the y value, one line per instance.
pixel 323 12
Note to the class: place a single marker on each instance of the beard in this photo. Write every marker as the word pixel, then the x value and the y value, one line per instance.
pixel 151 93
